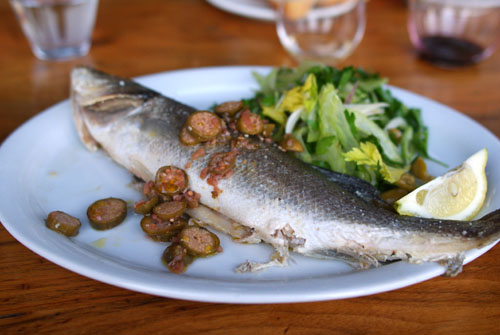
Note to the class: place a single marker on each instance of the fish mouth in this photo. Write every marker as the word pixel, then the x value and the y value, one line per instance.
pixel 109 109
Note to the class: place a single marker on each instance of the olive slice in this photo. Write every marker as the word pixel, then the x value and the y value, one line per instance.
pixel 107 213
pixel 204 125
pixel 230 107
pixel 176 258
pixel 171 180
pixel 170 209
pixel 250 123
pixel 160 230
pixel 63 223
pixel 146 206
pixel 199 241
pixel 290 143
pixel 186 138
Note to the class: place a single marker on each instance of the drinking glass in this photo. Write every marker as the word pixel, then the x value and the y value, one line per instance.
pixel 454 33
pixel 321 30
pixel 57 29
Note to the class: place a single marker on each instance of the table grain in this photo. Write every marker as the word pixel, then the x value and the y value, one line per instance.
pixel 138 37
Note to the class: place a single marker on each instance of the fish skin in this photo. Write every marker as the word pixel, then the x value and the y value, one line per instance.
pixel 357 186
pixel 284 201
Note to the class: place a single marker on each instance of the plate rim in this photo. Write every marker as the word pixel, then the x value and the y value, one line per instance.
pixel 245 10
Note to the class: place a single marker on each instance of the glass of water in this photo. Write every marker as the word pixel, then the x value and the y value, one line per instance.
pixel 57 29
pixel 326 31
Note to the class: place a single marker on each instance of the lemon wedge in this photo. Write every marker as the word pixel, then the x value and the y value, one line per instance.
pixel 457 195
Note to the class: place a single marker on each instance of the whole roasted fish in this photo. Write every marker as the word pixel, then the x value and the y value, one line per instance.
pixel 271 196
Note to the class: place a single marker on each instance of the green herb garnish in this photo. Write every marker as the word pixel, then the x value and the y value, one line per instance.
pixel 345 119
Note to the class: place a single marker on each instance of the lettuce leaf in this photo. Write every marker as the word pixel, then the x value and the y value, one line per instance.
pixel 367 154
pixel 299 97
pixel 332 120
pixel 369 127
pixel 332 154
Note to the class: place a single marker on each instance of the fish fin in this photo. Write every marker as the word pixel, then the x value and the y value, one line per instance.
pixel 287 239
pixel 354 259
pixel 277 260
pixel 209 217
pixel 453 265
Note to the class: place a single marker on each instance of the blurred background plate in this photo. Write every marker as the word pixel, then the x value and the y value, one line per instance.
pixel 255 9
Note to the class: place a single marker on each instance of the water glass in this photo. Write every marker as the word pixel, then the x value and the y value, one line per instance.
pixel 326 31
pixel 452 33
pixel 57 29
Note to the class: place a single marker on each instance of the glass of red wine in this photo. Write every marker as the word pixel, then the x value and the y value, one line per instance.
pixel 453 33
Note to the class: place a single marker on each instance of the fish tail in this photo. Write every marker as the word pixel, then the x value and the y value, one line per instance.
pixel 487 229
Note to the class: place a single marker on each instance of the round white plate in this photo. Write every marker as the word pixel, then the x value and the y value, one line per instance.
pixel 254 9
pixel 44 167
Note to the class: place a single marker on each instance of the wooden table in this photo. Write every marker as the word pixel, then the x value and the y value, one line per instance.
pixel 137 37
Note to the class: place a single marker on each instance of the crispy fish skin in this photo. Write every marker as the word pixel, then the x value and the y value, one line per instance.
pixel 283 201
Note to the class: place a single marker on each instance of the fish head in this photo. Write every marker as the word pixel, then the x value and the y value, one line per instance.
pixel 100 99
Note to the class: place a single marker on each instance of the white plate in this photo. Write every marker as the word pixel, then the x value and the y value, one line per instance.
pixel 44 167
pixel 254 9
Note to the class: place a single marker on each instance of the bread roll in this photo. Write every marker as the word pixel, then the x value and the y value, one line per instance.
pixel 296 9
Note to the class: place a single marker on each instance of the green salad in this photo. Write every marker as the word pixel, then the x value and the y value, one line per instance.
pixel 345 119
